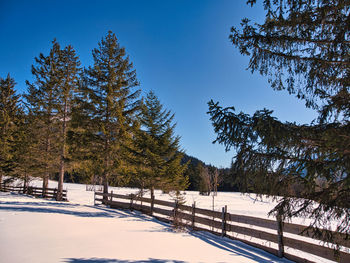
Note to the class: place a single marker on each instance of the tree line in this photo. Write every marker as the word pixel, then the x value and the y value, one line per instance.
pixel 88 121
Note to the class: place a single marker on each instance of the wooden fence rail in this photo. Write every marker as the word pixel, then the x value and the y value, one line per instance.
pixel 229 225
pixel 34 191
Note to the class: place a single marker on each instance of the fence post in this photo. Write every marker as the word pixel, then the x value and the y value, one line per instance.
pixel 152 204
pixel 131 200
pixel 176 205
pixel 280 235
pixel 111 199
pixel 94 197
pixel 223 218
pixel 193 214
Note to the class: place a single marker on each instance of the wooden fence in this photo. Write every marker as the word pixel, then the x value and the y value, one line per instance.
pixel 34 191
pixel 226 224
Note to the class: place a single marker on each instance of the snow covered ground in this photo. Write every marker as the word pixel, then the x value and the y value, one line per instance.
pixel 37 230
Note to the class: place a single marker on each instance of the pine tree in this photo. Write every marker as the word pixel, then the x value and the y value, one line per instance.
pixel 303 47
pixel 9 121
pixel 156 150
pixel 112 102
pixel 51 98
pixel 66 91
pixel 205 182
pixel 25 149
pixel 43 104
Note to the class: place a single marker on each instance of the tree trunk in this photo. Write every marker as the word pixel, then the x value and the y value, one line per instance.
pixel 105 188
pixel 152 199
pixel 45 183
pixel 152 192
pixel 47 173
pixel 0 180
pixel 63 152
pixel 59 196
pixel 25 184
pixel 106 173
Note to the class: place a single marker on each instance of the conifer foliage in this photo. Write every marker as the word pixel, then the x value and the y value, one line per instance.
pixel 303 47
pixel 113 100
pixel 50 99
pixel 10 113
pixel 69 76
pixel 157 152
pixel 88 122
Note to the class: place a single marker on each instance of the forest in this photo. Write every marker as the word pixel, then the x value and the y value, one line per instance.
pixel 91 125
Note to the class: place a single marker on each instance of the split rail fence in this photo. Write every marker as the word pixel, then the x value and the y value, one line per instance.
pixel 34 191
pixel 229 225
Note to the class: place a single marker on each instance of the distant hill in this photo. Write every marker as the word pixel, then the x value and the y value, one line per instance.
pixel 193 160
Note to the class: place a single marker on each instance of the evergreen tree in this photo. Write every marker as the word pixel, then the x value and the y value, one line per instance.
pixel 43 106
pixel 51 98
pixel 205 182
pixel 303 47
pixel 111 104
pixel 229 181
pixel 25 155
pixel 9 121
pixel 192 172
pixel 157 151
pixel 68 77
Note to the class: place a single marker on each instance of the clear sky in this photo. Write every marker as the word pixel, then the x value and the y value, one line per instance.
pixel 180 49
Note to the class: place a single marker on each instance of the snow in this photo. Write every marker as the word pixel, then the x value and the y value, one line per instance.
pixel 38 230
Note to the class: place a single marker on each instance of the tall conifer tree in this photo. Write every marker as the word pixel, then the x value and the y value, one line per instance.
pixel 26 157
pixel 43 104
pixel 51 98
pixel 112 102
pixel 66 92
pixel 9 121
pixel 157 153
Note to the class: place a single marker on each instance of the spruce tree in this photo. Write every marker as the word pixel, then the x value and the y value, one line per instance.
pixel 43 104
pixel 10 111
pixel 51 98
pixel 66 91
pixel 303 47
pixel 112 100
pixel 157 153
pixel 25 155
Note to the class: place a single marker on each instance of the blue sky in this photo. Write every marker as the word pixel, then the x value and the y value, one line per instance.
pixel 180 49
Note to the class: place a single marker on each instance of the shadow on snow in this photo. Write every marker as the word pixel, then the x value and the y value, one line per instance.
pixel 106 260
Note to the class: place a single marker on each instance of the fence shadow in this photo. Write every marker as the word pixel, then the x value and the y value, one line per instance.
pixel 237 248
pixel 134 215
pixel 106 260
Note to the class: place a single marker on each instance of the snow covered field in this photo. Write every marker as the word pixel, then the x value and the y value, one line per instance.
pixel 37 230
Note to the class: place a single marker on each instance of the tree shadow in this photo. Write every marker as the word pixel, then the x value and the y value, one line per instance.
pixel 106 260
pixel 69 209
pixel 54 211
pixel 45 203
